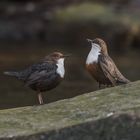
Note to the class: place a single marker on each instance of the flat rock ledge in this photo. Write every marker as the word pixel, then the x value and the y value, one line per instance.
pixel 107 114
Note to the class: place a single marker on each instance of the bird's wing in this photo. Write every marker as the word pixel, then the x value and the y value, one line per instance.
pixel 37 69
pixel 107 66
pixel 39 76
pixel 111 71
pixel 40 72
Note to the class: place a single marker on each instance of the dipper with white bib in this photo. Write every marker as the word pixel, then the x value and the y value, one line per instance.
pixel 101 66
pixel 43 76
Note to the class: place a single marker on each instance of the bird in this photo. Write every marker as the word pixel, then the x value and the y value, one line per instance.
pixel 101 66
pixel 44 75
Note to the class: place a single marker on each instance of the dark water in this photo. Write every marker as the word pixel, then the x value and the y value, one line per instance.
pixel 77 80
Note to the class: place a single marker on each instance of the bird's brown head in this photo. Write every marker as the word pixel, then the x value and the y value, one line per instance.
pixel 101 44
pixel 55 56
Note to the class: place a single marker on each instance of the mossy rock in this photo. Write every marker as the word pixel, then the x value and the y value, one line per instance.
pixel 107 114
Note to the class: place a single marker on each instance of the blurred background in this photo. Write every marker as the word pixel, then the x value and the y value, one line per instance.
pixel 31 29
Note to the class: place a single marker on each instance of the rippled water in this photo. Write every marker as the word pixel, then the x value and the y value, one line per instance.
pixel 77 80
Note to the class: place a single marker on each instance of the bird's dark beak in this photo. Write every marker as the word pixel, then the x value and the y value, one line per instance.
pixel 66 55
pixel 89 40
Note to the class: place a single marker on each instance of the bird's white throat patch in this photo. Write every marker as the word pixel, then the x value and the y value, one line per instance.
pixel 93 54
pixel 60 69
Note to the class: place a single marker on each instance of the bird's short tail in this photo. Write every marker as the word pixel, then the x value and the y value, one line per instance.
pixel 11 73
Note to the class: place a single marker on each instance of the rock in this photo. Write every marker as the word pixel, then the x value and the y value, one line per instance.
pixel 111 113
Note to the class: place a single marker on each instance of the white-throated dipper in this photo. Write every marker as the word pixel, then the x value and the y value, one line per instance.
pixel 43 76
pixel 101 66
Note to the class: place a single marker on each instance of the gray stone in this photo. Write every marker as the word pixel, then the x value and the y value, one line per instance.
pixel 107 114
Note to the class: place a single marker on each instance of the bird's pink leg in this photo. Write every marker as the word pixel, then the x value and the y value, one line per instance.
pixel 40 98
